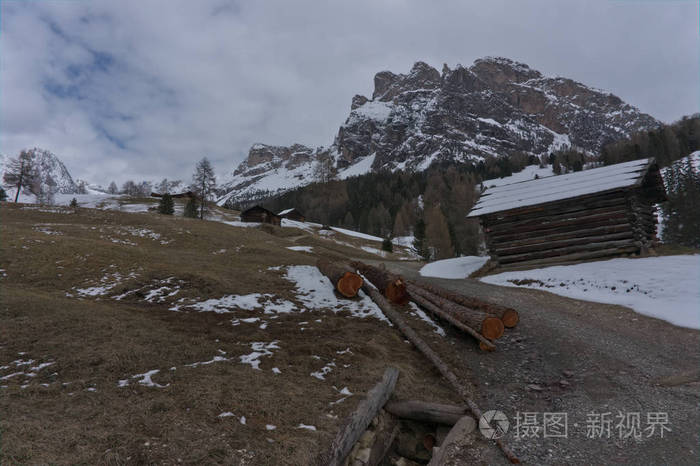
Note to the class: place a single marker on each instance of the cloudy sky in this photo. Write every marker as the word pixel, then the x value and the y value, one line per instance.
pixel 142 89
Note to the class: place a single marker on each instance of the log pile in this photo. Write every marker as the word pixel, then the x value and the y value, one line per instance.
pixel 391 286
pixel 396 319
pixel 482 320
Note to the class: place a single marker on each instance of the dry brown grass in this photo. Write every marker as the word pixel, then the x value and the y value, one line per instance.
pixel 94 342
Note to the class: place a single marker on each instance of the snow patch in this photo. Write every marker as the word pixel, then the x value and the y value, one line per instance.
pixel 456 268
pixel 663 287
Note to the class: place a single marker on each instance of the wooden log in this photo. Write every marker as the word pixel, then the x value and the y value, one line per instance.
pixel 569 258
pixel 423 411
pixel 413 337
pixel 612 218
pixel 464 427
pixel 501 237
pixel 546 238
pixel 586 202
pixel 553 215
pixel 345 281
pixel 356 424
pixel 488 325
pixel 439 313
pixel 594 246
pixel 383 440
pixel 508 316
pixel 392 286
pixel 502 251
pixel 554 221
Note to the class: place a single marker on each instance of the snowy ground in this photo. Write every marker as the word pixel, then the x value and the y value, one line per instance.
pixel 665 287
pixel 459 267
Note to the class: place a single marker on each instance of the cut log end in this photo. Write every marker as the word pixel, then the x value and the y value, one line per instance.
pixel 484 347
pixel 492 328
pixel 396 292
pixel 510 318
pixel 349 284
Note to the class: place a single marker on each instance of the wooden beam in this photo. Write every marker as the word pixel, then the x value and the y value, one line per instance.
pixel 356 424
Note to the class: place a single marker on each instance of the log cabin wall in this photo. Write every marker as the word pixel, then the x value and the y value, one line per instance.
pixel 593 226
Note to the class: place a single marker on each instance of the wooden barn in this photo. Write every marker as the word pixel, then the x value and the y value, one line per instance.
pixel 292 214
pixel 597 213
pixel 260 214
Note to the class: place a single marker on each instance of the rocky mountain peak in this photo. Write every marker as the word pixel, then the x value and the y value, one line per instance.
pixel 497 107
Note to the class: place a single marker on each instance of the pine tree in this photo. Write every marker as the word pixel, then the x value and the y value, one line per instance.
pixel 437 235
pixel 680 213
pixel 20 173
pixel 3 194
pixel 113 188
pixel 349 220
pixel 419 238
pixel 387 245
pixel 166 205
pixel 191 208
pixel 74 204
pixel 204 183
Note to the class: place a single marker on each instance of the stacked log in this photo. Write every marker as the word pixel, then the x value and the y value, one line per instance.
pixel 481 320
pixel 596 226
pixel 508 316
pixel 391 286
pixel 436 361
pixel 344 279
pixel 488 325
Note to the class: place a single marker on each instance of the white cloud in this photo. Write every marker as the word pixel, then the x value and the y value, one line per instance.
pixel 136 89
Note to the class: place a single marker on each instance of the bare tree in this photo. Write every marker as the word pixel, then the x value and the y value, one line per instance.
pixel 113 188
pixel 46 191
pixel 204 183
pixel 20 172
pixel 130 188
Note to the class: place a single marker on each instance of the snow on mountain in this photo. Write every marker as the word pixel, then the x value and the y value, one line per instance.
pixel 48 167
pixel 495 108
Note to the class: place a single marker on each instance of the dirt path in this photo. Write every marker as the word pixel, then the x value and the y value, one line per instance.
pixel 585 359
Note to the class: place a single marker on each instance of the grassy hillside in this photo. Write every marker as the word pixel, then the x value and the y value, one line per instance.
pixel 67 343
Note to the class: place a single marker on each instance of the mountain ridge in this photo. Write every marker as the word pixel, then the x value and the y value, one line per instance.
pixel 495 108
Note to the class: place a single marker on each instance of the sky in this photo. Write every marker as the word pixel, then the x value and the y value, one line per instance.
pixel 143 89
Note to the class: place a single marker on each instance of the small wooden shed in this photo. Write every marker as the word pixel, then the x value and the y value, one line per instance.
pixel 292 214
pixel 259 214
pixel 602 212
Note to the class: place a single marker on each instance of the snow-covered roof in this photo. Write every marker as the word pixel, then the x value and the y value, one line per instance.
pixel 286 211
pixel 560 187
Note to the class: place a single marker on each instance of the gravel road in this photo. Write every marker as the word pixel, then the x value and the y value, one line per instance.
pixel 584 359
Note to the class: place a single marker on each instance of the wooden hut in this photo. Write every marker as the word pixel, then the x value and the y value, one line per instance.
pixel 292 214
pixel 260 214
pixel 601 212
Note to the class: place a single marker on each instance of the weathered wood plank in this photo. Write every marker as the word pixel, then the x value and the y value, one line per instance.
pixel 355 425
